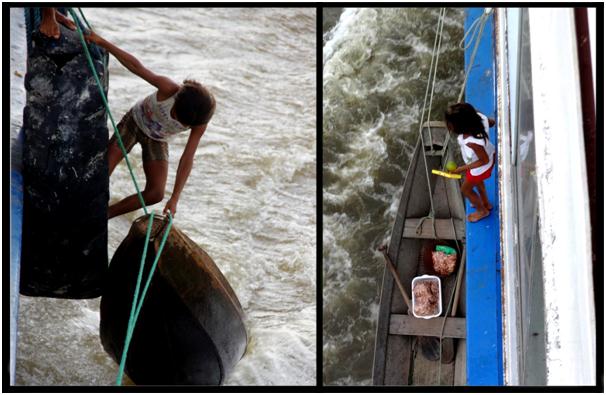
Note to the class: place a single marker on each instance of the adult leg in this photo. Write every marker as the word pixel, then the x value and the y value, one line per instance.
pixel 156 172
pixel 474 198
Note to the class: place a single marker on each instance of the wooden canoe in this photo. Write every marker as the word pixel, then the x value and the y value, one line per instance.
pixel 399 359
pixel 191 327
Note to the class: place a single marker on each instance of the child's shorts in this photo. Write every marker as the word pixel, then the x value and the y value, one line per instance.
pixel 131 134
pixel 470 178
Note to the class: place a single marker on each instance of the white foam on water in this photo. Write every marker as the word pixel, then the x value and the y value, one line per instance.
pixel 340 31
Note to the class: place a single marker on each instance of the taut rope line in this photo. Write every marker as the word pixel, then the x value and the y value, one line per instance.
pixel 138 297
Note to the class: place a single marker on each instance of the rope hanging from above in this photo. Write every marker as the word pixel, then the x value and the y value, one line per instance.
pixel 475 36
pixel 476 29
pixel 138 298
pixel 116 133
pixel 431 80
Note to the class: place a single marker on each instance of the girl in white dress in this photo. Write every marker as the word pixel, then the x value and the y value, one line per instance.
pixel 471 128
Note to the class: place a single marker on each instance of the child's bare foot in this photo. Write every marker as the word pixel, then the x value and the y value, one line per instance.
pixel 48 25
pixel 478 215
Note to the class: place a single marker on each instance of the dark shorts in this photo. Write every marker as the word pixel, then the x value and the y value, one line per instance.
pixel 132 134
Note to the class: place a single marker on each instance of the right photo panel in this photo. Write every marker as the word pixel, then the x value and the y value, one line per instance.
pixel 448 235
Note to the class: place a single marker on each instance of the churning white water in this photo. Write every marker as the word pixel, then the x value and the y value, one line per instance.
pixel 250 200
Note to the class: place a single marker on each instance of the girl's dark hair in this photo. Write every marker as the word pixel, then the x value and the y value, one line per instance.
pixel 465 119
pixel 194 104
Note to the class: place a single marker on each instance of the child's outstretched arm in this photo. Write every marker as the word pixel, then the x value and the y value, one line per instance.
pixel 185 164
pixel 165 85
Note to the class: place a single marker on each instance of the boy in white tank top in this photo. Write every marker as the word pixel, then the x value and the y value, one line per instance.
pixel 152 121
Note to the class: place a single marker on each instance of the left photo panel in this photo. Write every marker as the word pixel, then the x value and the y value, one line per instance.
pixel 163 209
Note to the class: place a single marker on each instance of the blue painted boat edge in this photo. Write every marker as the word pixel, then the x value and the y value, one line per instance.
pixel 483 275
pixel 16 227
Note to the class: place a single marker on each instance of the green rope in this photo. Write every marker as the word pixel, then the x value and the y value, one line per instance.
pixel 138 300
pixel 133 307
pixel 84 18
pixel 116 133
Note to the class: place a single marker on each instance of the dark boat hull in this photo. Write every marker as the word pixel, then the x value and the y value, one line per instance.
pixel 65 173
pixel 190 330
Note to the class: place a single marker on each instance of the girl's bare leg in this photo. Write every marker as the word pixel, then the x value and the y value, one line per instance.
pixel 482 189
pixel 476 200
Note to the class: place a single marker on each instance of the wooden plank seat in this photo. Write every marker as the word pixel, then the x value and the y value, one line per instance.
pixel 444 229
pixel 408 325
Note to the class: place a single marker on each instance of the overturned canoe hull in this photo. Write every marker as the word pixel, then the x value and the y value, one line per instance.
pixel 190 330
pixel 65 173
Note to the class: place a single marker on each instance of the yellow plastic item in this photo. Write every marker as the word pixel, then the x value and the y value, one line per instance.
pixel 445 174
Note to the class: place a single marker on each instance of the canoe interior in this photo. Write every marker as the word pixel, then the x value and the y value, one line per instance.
pixel 398 357
pixel 191 327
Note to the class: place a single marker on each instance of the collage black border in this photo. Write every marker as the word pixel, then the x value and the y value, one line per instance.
pixel 319 386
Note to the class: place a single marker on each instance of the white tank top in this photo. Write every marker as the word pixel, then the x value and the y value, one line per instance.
pixel 153 118
pixel 469 155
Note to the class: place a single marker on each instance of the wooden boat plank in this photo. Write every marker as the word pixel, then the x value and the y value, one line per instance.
pixel 398 360
pixel 455 200
pixel 398 227
pixel 460 375
pixel 443 227
pixel 404 324
pixel 408 252
pixel 387 286
pixel 426 372
pixel 435 124
pixel 418 204
pixel 379 361
pixel 450 204
pixel 434 135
